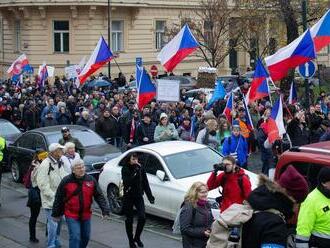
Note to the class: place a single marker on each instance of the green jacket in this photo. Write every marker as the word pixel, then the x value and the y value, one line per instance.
pixel 314 216
pixel 2 147
pixel 165 133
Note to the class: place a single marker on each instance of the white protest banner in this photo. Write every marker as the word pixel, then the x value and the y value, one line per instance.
pixel 50 70
pixel 168 90
pixel 72 71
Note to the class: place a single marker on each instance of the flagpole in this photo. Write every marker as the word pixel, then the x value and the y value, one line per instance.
pixel 270 93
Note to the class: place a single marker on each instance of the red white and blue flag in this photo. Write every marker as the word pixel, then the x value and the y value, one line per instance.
pixel 43 75
pixel 100 56
pixel 248 119
pixel 229 108
pixel 298 52
pixel 321 32
pixel 259 86
pixel 146 89
pixel 183 44
pixel 19 66
pixel 293 94
pixel 275 125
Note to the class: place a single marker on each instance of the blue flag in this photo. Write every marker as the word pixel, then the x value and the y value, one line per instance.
pixel 219 93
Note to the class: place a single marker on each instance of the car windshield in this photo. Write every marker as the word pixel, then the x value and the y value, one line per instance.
pixel 191 163
pixel 8 129
pixel 87 138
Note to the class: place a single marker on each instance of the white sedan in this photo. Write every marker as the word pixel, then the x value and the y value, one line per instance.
pixel 172 167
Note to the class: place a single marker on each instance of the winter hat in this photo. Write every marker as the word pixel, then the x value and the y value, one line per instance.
pixel 324 175
pixel 163 115
pixel 208 115
pixel 294 183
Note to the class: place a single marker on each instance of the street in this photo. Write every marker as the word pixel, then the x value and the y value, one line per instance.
pixel 14 218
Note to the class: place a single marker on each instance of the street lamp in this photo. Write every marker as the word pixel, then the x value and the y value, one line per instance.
pixel 109 35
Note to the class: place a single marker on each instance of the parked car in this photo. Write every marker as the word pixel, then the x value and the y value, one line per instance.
pixel 97 151
pixel 9 132
pixel 231 82
pixel 193 94
pixel 186 82
pixel 308 160
pixel 172 167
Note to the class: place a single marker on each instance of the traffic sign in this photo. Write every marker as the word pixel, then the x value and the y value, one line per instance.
pixel 307 70
pixel 154 70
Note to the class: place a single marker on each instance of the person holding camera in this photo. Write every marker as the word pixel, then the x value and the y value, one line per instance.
pixel 235 184
pixel 135 183
pixel 236 146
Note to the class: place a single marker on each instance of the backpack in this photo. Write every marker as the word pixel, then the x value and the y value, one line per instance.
pixel 176 225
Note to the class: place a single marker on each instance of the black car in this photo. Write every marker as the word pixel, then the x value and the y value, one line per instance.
pixel 97 151
pixel 10 133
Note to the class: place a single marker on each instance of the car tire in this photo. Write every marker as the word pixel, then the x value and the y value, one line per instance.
pixel 115 201
pixel 15 171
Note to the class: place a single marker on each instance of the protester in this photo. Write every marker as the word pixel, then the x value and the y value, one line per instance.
pixel 236 146
pixel 67 137
pixel 49 120
pixel 223 133
pixel 69 156
pixel 184 130
pixel 313 229
pixel 49 175
pixel 135 185
pixel 165 130
pixel 235 183
pixel 208 135
pixel 145 130
pixel 50 108
pixel 84 119
pixel 196 217
pixel 265 150
pixel 63 117
pixel 129 130
pixel 298 130
pixel 73 199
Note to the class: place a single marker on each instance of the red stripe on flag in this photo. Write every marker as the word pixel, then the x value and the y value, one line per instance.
pixel 177 58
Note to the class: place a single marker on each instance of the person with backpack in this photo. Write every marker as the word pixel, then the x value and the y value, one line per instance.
pixel 236 146
pixel 208 135
pixel 273 204
pixel 196 217
pixel 49 175
pixel 73 199
pixel 235 184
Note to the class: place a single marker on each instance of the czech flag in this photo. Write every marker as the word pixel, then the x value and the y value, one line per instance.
pixel 298 52
pixel 259 85
pixel 19 66
pixel 42 75
pixel 321 32
pixel 229 108
pixel 293 94
pixel 146 89
pixel 275 125
pixel 100 56
pixel 183 44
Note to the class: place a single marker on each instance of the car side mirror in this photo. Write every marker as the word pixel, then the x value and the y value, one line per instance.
pixel 161 175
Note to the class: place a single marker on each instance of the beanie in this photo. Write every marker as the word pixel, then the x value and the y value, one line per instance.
pixel 324 175
pixel 294 183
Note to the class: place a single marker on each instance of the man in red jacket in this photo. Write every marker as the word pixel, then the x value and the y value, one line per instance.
pixel 74 198
pixel 235 184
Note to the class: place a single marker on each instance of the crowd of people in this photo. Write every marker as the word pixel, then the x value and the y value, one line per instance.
pixel 112 112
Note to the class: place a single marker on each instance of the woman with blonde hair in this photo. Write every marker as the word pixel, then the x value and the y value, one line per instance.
pixel 70 154
pixel 196 217
pixel 208 135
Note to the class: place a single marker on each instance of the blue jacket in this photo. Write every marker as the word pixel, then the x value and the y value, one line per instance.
pixel 237 145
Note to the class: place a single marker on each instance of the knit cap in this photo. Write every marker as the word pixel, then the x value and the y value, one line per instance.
pixel 324 175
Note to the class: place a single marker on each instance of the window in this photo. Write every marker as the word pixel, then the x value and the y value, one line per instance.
pixel 26 141
pixel 153 165
pixel 160 34
pixel 40 143
pixel 17 35
pixel 117 30
pixel 61 36
pixel 1 34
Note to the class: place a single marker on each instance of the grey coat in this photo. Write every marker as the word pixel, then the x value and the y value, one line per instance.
pixel 193 226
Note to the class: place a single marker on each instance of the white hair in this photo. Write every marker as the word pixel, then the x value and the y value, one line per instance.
pixel 69 145
pixel 76 162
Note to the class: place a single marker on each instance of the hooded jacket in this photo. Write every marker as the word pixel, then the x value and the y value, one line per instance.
pixel 265 227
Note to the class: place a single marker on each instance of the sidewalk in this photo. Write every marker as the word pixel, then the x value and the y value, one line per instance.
pixel 8 243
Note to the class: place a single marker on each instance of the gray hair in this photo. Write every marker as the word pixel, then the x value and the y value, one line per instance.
pixel 69 145
pixel 76 162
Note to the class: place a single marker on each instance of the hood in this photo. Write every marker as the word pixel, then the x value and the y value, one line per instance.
pixel 269 195
pixel 100 154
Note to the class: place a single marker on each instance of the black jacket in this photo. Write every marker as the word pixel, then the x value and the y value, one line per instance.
pixel 135 181
pixel 266 227
pixel 79 147
pixel 108 127
pixel 144 130
pixel 298 136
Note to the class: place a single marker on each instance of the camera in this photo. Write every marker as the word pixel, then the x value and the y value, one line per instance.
pixel 219 167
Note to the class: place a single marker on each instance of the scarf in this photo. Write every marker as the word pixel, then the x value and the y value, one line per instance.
pixel 132 132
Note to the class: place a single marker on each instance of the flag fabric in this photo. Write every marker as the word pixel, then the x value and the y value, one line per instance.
pixel 248 119
pixel 298 52
pixel 100 56
pixel 219 93
pixel 43 75
pixel 259 85
pixel 293 94
pixel 19 66
pixel 146 89
pixel 183 44
pixel 321 32
pixel 275 125
pixel 229 108
pixel 81 64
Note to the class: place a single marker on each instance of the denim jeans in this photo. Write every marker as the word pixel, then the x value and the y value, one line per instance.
pixel 54 230
pixel 79 232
